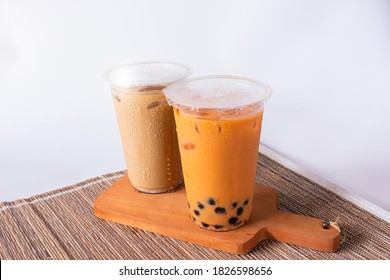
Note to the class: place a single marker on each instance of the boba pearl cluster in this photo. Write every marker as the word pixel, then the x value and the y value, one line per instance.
pixel 233 213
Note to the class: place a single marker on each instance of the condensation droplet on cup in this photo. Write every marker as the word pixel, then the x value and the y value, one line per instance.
pixel 145 173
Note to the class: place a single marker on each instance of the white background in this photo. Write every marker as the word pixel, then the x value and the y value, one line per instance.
pixel 327 61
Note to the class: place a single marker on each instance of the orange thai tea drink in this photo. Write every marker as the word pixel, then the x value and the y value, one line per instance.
pixel 218 122
pixel 146 123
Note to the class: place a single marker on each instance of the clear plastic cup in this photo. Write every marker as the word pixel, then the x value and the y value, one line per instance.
pixel 218 122
pixel 146 123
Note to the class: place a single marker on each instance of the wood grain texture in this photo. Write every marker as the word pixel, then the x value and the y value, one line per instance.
pixel 167 214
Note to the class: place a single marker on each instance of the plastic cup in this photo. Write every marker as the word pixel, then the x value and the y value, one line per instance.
pixel 218 120
pixel 146 123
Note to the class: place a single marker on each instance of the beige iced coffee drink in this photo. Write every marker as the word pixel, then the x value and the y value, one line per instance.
pixel 147 124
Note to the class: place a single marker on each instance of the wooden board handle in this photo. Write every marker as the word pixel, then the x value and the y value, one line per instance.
pixel 303 231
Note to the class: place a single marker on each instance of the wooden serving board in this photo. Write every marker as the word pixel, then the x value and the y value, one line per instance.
pixel 167 214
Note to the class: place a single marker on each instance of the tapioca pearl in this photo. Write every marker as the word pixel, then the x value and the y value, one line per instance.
pixel 239 211
pixel 197 129
pixel 200 205
pixel 153 105
pixel 203 113
pixel 211 201
pixel 233 220
pixel 218 227
pixel 246 201
pixel 205 225
pixel 188 146
pixel 196 212
pixel 220 210
pixel 234 205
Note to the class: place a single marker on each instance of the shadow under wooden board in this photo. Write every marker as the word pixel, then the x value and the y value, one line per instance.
pixel 167 214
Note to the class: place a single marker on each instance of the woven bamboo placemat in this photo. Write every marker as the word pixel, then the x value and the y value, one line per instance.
pixel 61 225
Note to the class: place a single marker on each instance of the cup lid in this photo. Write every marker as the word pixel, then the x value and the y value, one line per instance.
pixel 217 92
pixel 152 74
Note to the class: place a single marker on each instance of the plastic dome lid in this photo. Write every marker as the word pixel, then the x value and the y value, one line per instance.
pixel 146 74
pixel 217 92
